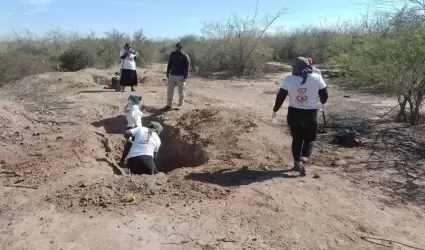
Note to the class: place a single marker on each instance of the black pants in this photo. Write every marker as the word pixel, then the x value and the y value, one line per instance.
pixel 303 126
pixel 143 164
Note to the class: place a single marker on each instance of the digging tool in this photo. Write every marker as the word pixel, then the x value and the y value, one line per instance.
pixel 322 131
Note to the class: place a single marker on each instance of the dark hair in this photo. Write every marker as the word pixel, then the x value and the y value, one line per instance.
pixel 179 45
pixel 127 45
pixel 301 67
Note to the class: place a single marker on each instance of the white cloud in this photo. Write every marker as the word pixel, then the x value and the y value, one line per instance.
pixel 34 11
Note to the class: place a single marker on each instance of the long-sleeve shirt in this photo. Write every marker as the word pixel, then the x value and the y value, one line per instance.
pixel 178 64
pixel 127 59
pixel 133 115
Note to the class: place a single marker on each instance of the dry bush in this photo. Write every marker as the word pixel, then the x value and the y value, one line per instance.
pixel 15 66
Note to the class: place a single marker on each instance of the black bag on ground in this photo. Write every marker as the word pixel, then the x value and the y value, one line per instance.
pixel 347 139
pixel 115 83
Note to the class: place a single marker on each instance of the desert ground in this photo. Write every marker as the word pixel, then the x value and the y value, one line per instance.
pixel 224 183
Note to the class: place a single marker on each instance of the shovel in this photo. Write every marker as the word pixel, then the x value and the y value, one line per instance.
pixel 323 131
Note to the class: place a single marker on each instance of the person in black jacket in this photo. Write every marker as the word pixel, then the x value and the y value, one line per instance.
pixel 177 72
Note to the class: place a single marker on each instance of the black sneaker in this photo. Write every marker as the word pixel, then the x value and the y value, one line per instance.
pixel 299 167
pixel 302 170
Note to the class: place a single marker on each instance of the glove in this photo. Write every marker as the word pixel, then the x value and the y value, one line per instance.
pixel 274 114
pixel 137 53
pixel 322 107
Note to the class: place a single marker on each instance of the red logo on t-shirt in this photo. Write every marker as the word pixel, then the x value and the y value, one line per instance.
pixel 302 90
pixel 301 97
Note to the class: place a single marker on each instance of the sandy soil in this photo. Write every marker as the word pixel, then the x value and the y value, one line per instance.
pixel 225 185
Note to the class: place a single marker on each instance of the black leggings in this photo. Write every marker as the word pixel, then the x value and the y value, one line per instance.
pixel 303 126
pixel 143 164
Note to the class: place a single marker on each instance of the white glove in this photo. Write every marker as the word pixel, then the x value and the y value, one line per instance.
pixel 274 114
pixel 322 107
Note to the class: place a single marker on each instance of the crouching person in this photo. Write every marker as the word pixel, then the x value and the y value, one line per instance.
pixel 144 149
pixel 134 119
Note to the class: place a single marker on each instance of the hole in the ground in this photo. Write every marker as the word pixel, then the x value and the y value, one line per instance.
pixel 176 151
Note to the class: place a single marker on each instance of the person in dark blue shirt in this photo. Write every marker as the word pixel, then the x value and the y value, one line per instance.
pixel 177 72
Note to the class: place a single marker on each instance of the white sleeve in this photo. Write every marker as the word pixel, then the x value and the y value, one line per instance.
pixel 135 130
pixel 284 84
pixel 134 113
pixel 322 83
pixel 158 143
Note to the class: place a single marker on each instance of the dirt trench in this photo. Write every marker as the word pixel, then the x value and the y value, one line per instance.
pixel 178 149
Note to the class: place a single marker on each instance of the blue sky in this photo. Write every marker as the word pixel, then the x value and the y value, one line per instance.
pixel 163 18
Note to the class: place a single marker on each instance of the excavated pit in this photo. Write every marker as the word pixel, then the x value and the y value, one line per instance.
pixel 176 151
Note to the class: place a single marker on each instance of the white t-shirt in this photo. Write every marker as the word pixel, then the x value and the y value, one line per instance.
pixel 140 146
pixel 134 116
pixel 316 70
pixel 128 62
pixel 303 96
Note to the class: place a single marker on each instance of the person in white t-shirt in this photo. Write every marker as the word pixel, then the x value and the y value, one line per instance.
pixel 305 90
pixel 128 67
pixel 143 152
pixel 132 111
pixel 134 119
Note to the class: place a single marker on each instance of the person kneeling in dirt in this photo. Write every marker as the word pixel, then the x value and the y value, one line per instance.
pixel 303 88
pixel 134 119
pixel 143 152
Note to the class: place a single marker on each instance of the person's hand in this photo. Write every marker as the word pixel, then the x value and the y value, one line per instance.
pixel 274 114
pixel 322 107
pixel 137 53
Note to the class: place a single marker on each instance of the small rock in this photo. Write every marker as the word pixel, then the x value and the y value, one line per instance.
pixel 316 176
pixel 59 138
pixel 339 163
pixel 266 168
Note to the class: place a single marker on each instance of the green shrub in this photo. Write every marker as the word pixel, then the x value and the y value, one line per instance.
pixel 76 58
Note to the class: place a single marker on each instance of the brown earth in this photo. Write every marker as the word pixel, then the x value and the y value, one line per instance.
pixel 225 184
